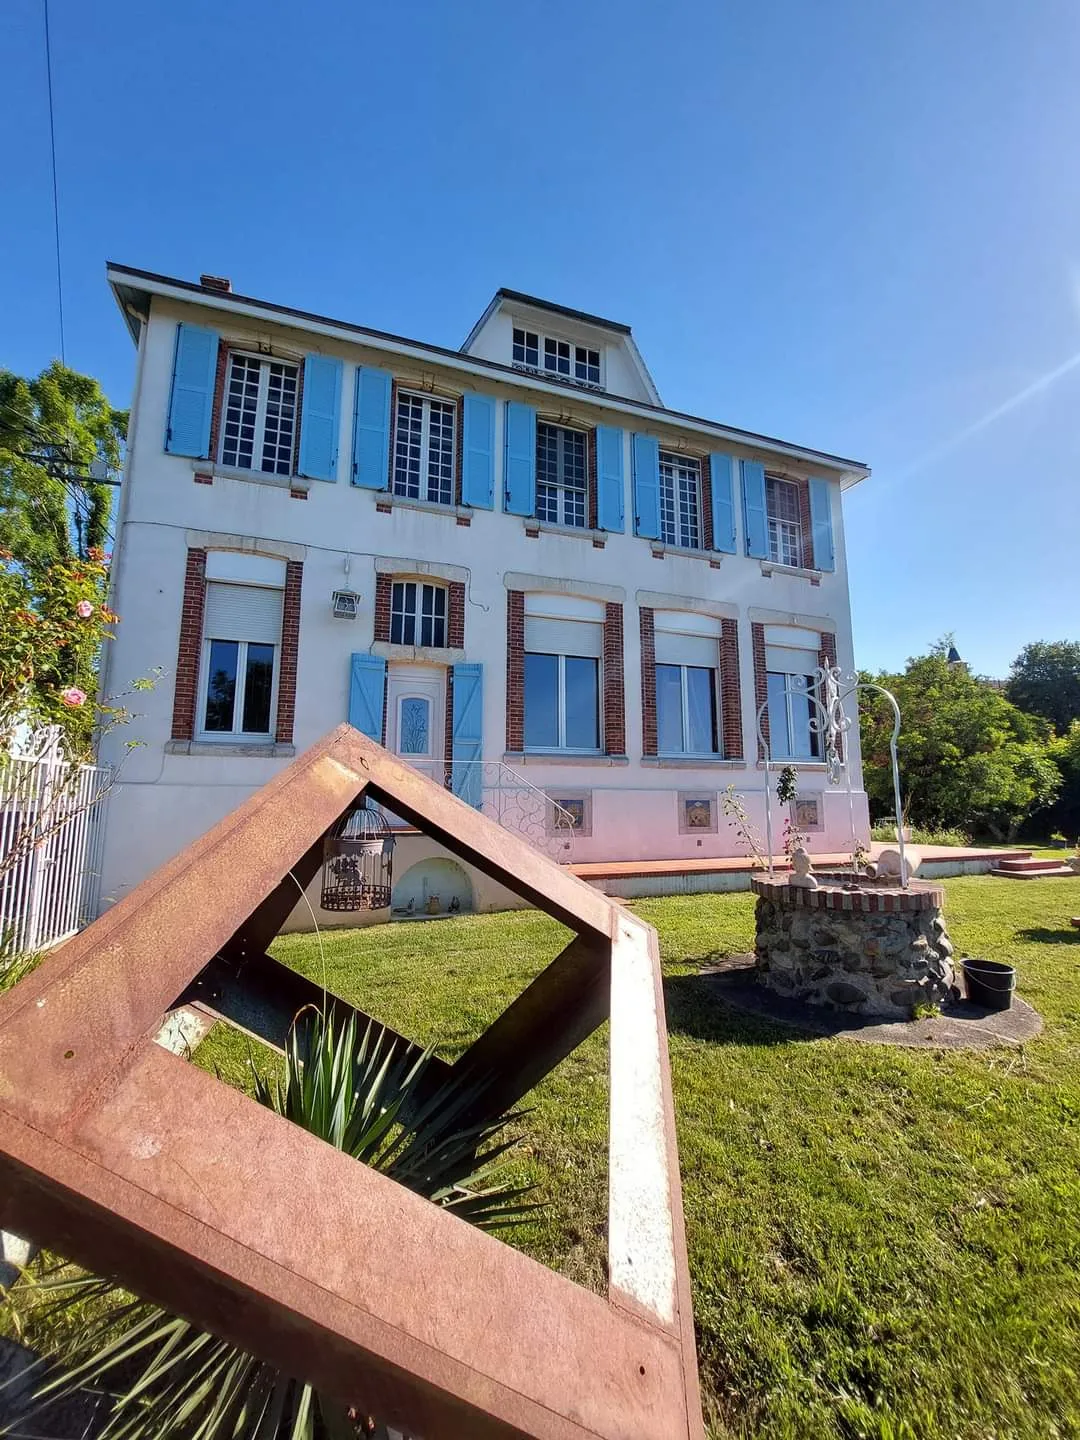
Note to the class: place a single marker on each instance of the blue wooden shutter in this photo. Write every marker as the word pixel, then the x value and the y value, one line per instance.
pixel 478 452
pixel 520 468
pixel 646 452
pixel 320 417
pixel 722 482
pixel 821 524
pixel 753 504
pixel 367 686
pixel 468 734
pixel 609 478
pixel 371 429
pixel 192 399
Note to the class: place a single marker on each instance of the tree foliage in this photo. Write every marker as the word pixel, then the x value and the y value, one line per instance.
pixel 968 757
pixel 52 430
pixel 1045 680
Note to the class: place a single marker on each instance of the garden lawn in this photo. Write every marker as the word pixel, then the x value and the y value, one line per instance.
pixel 883 1243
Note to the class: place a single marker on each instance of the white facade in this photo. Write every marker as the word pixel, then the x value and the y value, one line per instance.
pixel 251 525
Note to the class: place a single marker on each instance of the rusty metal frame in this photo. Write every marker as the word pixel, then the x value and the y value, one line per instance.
pixel 130 1160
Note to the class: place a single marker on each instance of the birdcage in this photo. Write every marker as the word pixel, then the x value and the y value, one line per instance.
pixel 358 861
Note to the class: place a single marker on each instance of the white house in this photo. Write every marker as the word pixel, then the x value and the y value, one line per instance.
pixel 508 562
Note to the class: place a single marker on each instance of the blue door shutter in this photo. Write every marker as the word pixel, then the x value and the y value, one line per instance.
pixel 192 399
pixel 646 451
pixel 478 452
pixel 367 686
pixel 753 504
pixel 320 417
pixel 821 524
pixel 520 468
pixel 468 734
pixel 609 478
pixel 371 429
pixel 722 479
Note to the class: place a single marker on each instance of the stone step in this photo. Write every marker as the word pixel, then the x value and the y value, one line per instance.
pixel 1049 873
pixel 1023 863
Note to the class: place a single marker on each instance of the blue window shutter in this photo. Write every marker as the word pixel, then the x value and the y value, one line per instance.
pixel 722 479
pixel 192 399
pixel 753 504
pixel 609 478
pixel 320 417
pixel 371 429
pixel 367 686
pixel 646 451
pixel 520 468
pixel 478 452
pixel 821 524
pixel 468 734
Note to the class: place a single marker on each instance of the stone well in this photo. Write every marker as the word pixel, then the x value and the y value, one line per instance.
pixel 871 950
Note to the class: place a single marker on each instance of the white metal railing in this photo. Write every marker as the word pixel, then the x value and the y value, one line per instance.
pixel 51 829
pixel 507 797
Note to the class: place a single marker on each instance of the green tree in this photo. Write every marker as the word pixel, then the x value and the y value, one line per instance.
pixel 53 429
pixel 969 758
pixel 1045 680
pixel 1064 814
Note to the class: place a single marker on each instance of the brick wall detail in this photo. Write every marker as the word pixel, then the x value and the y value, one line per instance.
pixel 383 588
pixel 807 527
pixel 190 647
pixel 614 689
pixel 730 690
pixel 290 651
pixel 515 671
pixel 591 484
pixel 706 504
pixel 648 681
pixel 761 684
pixel 455 615
pixel 219 399
pixel 459 448
pixel 448 748
pixel 827 660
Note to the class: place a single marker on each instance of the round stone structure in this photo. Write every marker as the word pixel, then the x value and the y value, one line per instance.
pixel 870 949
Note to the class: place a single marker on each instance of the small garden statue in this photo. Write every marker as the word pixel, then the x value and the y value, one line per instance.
pixel 801 876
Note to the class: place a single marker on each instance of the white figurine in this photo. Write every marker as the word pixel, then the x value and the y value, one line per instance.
pixel 800 870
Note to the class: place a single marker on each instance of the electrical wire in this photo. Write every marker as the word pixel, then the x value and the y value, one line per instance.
pixel 55 188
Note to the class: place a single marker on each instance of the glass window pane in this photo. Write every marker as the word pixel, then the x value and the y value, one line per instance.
pixel 669 709
pixel 414 737
pixel 221 684
pixel 258 684
pixel 779 739
pixel 582 703
pixel 803 744
pixel 541 701
pixel 701 709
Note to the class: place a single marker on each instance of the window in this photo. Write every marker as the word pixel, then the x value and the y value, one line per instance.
pixel 680 501
pixel 424 449
pixel 686 710
pixel 417 614
pixel 259 424
pixel 242 636
pixel 587 365
pixel 560 357
pixel 414 725
pixel 560 475
pixel 785 521
pixel 562 702
pixel 526 347
pixel 791 707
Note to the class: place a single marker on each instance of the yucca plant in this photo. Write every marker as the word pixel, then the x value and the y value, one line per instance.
pixel 163 1377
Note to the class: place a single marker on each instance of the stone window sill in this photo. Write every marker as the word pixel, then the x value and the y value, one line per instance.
pixel 798 572
pixel 691 762
pixel 425 654
pixel 575 532
pixel 556 757
pixel 810 765
pixel 253 477
pixel 387 500
pixel 660 549
pixel 268 750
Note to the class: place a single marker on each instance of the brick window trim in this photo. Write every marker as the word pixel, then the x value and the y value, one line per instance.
pixel 802 485
pixel 592 498
pixel 290 651
pixel 614 690
pixel 731 737
pixel 448 397
pixel 455 607
pixel 227 348
pixel 761 683
pixel 515 671
pixel 706 503
pixel 647 625
pixel 827 660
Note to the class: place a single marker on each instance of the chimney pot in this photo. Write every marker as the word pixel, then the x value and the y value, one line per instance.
pixel 216 282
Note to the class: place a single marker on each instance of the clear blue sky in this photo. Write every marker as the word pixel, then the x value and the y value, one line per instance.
pixel 848 224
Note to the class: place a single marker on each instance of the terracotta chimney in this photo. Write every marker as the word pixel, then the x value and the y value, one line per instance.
pixel 216 282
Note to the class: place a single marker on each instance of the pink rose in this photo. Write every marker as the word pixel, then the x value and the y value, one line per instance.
pixel 73 697
pixel 84 609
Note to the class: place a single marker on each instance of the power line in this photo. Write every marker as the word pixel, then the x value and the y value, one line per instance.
pixel 55 193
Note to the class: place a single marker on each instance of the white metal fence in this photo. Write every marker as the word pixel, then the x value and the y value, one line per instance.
pixel 51 825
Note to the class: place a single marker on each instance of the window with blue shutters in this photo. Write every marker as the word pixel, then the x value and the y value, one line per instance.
pixel 722 486
pixel 367 690
pixel 467 736
pixel 191 399
pixel 320 421
pixel 610 487
pixel 755 526
pixel 371 428
pixel 478 452
pixel 821 524
pixel 520 467
pixel 646 457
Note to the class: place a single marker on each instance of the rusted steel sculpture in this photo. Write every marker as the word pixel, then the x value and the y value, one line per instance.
pixel 134 1162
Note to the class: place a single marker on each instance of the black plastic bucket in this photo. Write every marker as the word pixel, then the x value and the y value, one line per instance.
pixel 990 983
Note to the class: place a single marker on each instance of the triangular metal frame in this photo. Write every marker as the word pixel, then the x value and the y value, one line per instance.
pixel 132 1161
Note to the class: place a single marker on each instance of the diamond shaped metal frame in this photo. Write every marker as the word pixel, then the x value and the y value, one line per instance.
pixel 132 1161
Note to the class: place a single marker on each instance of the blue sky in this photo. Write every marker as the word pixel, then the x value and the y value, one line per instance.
pixel 855 226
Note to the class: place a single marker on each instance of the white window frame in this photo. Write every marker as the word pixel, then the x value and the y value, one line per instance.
pixel 562 491
pixel 426 402
pixel 785 534
pixel 562 748
pixel 418 612
pixel 685 706
pixel 258 444
pixel 215 736
pixel 805 692
pixel 579 355
pixel 678 469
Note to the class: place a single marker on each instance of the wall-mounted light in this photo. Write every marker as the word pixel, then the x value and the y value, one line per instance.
pixel 345 604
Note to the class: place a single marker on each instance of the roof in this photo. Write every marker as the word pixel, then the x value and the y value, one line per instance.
pixel 129 283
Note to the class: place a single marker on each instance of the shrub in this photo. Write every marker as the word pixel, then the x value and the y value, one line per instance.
pixel 885 830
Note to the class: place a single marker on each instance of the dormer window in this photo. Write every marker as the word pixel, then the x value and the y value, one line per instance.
pixel 548 354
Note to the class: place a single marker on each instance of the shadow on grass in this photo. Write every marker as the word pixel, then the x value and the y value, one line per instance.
pixel 1044 936
pixel 695 1007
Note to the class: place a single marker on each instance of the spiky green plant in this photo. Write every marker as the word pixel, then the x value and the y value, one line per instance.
pixel 164 1377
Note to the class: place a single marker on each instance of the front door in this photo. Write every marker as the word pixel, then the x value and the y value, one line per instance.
pixel 416 716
